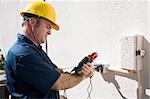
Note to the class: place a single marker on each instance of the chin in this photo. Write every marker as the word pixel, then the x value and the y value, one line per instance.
pixel 42 42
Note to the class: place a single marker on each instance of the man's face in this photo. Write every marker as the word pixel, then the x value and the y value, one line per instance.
pixel 42 30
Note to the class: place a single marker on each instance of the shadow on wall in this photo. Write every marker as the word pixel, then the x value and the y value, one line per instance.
pixel 110 78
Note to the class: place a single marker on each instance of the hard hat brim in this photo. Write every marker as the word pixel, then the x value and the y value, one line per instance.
pixel 54 26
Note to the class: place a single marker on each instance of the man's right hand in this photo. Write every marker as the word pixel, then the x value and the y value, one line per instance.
pixel 87 70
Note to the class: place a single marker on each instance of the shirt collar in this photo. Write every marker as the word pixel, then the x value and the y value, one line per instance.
pixel 22 38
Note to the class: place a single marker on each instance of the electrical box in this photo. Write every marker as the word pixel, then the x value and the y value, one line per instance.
pixel 132 52
pixel 128 52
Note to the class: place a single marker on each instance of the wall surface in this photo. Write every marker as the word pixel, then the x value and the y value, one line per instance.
pixel 87 26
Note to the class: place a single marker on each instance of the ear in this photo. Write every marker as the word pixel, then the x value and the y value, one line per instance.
pixel 32 21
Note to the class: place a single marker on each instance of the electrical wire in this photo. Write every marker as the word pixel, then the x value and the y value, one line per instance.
pixel 65 94
pixel 89 89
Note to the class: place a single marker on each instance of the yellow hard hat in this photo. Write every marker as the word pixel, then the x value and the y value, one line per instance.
pixel 42 9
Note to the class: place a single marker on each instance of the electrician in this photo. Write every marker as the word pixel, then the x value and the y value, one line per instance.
pixel 30 72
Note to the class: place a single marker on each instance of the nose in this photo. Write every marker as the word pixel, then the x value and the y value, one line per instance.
pixel 49 32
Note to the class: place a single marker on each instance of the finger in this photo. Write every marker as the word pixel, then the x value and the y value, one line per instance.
pixel 89 64
pixel 84 72
pixel 85 69
pixel 91 69
pixel 86 66
pixel 87 74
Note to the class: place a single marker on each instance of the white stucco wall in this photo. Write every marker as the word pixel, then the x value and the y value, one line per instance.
pixel 87 26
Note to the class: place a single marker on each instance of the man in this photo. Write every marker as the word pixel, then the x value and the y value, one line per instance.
pixel 30 72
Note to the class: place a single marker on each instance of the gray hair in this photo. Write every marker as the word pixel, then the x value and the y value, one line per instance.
pixel 27 16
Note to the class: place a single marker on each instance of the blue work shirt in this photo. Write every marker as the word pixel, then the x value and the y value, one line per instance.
pixel 29 71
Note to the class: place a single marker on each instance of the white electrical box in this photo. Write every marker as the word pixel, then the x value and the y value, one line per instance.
pixel 128 52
